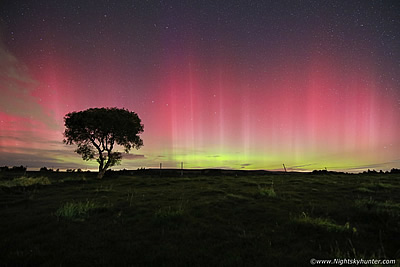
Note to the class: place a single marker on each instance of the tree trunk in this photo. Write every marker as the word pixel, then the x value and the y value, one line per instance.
pixel 103 167
pixel 101 173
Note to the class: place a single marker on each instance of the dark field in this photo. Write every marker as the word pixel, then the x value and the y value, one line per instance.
pixel 72 219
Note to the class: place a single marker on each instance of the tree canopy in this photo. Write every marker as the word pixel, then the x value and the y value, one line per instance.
pixel 96 131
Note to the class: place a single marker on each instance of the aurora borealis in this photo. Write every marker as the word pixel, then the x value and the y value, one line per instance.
pixel 217 84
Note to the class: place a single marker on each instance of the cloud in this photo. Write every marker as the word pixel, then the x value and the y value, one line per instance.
pixel 16 86
pixel 300 166
pixel 34 158
pixel 132 156
pixel 384 165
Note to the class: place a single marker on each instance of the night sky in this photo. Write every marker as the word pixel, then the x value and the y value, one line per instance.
pixel 217 84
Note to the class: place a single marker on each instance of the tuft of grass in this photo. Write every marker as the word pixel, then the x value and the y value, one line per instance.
pixel 370 205
pixel 169 215
pixel 79 178
pixel 169 212
pixel 235 196
pixel 324 223
pixel 384 186
pixel 77 211
pixel 104 188
pixel 130 197
pixel 347 251
pixel 374 186
pixel 26 181
pixel 364 190
pixel 267 191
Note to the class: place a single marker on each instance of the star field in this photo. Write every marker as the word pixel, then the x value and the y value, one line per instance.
pixel 220 84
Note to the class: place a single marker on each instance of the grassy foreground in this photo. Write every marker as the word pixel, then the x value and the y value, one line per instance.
pixel 260 220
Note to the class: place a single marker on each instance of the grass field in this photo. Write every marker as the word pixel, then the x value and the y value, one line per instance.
pixel 72 219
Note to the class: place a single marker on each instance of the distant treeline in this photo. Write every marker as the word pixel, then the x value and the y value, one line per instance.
pixel 222 172
pixel 174 172
pixel 364 172
pixel 13 169
pixel 43 169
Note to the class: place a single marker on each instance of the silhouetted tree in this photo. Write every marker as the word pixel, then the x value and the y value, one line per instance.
pixel 18 169
pixel 45 169
pixel 13 169
pixel 395 170
pixel 4 168
pixel 96 131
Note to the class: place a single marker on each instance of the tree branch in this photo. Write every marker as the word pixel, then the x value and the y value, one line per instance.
pixel 104 147
pixel 97 146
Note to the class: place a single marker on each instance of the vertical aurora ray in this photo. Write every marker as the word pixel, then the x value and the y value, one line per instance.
pixel 323 116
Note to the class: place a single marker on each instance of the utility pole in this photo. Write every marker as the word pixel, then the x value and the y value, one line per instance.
pixel 182 168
